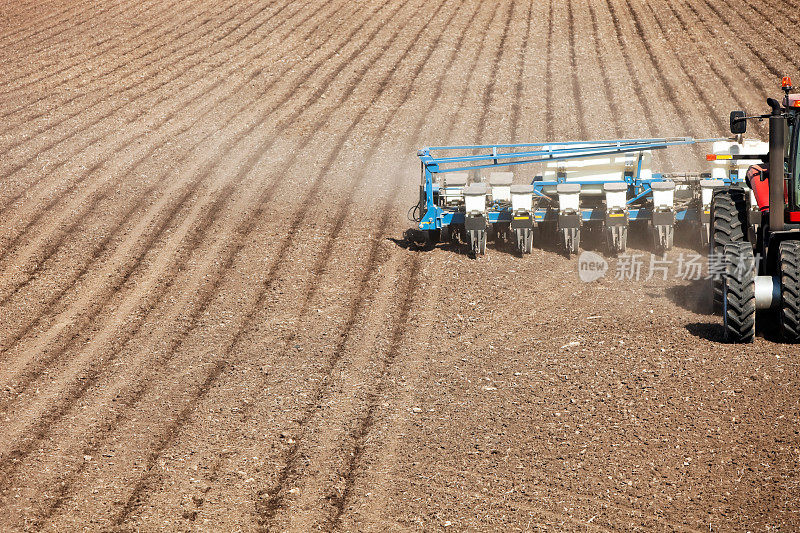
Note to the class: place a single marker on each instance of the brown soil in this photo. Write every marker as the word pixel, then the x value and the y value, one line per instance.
pixel 209 318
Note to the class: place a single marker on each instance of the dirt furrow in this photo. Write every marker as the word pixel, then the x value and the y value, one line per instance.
pixel 600 69
pixel 373 510
pixel 778 13
pixel 211 319
pixel 29 371
pixel 272 501
pixel 20 14
pixel 81 58
pixel 577 95
pixel 775 54
pixel 196 117
pixel 533 121
pixel 358 446
pixel 362 448
pixel 346 204
pixel 376 487
pixel 661 89
pixel 208 165
pixel 349 321
pixel 84 11
pixel 724 64
pixel 476 90
pixel 361 432
pixel 147 483
pixel 708 93
pixel 131 240
pixel 53 52
pixel 726 75
pixel 489 92
pixel 123 102
pixel 549 130
pixel 516 103
pixel 125 67
pixel 200 287
pixel 745 64
pixel 630 83
pixel 343 474
pixel 566 119
pixel 667 61
pixel 46 103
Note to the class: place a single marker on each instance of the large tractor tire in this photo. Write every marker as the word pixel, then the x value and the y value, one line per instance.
pixel 739 293
pixel 790 290
pixel 728 225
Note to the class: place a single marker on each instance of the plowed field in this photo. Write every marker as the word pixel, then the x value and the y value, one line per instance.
pixel 210 319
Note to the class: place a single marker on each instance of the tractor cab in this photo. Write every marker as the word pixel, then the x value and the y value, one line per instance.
pixel 762 255
pixel 784 144
pixel 792 150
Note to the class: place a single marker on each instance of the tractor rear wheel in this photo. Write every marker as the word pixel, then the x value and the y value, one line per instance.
pixel 790 290
pixel 728 225
pixel 739 293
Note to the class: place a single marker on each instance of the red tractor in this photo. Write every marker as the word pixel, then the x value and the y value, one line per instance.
pixel 759 249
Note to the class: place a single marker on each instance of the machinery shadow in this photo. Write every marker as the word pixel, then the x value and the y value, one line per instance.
pixel 767 327
pixel 592 239
pixel 695 297
pixel 713 332
pixel 414 241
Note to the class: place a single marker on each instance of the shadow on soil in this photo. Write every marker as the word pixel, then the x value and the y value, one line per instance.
pixel 694 297
pixel 547 239
pixel 767 327
pixel 414 241
pixel 708 331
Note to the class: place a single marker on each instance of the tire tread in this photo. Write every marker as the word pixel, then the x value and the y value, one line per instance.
pixel 790 290
pixel 739 293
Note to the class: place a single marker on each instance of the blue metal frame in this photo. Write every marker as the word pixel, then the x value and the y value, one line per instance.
pixel 506 155
pixel 544 215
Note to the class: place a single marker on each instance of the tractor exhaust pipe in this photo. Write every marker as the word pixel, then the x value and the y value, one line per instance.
pixel 777 151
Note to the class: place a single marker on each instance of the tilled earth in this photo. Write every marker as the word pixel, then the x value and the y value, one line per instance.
pixel 210 319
